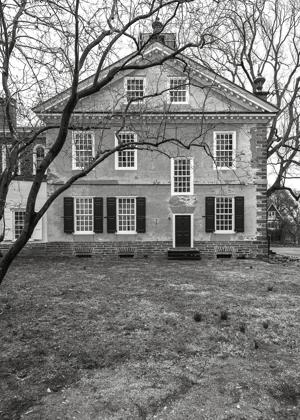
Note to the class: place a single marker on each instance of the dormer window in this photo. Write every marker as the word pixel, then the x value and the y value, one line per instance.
pixel 178 90
pixel 134 88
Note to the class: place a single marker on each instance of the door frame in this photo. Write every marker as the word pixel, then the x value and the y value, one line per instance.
pixel 191 226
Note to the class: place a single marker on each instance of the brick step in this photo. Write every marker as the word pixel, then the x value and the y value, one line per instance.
pixel 184 254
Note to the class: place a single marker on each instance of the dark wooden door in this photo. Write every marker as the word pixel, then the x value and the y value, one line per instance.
pixel 182 231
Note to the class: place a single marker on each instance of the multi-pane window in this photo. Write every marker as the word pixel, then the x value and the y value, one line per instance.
pixel 84 214
pixel 224 148
pixel 178 92
pixel 271 214
pixel 135 88
pixel 83 148
pixel 126 159
pixel 19 217
pixel 182 175
pixel 224 214
pixel 126 215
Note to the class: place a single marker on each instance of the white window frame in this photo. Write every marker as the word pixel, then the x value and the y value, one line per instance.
pixel 83 232
pixel 185 82
pixel 191 192
pixel 74 133
pixel 135 101
pixel 272 215
pixel 125 232
pixel 125 168
pixel 3 157
pixel 21 209
pixel 226 168
pixel 232 215
pixel 34 157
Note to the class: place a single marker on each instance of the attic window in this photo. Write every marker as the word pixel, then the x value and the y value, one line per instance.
pixel 178 92
pixel 134 88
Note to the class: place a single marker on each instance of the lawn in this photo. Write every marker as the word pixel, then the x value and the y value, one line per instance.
pixel 217 339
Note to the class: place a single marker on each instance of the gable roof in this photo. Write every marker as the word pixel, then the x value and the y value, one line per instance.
pixel 209 78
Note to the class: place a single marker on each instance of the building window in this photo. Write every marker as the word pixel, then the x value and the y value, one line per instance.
pixel 82 148
pixel 182 181
pixel 19 218
pixel 134 88
pixel 178 90
pixel 224 150
pixel 126 214
pixel 38 156
pixel 272 215
pixel 84 215
pixel 224 214
pixel 126 159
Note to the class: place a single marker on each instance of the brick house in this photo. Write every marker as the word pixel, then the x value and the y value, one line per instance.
pixel 210 196
pixel 20 186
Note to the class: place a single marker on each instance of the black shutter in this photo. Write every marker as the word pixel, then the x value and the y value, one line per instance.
pixel 98 214
pixel 111 214
pixel 68 214
pixel 209 214
pixel 141 214
pixel 239 214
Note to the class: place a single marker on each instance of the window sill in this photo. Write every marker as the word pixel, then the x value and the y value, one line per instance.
pixel 224 168
pixel 126 233
pixel 83 233
pixel 224 232
pixel 182 193
pixel 126 169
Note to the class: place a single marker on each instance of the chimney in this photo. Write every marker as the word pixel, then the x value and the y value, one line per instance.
pixel 258 86
pixel 168 39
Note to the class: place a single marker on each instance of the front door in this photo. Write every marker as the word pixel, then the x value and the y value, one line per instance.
pixel 182 230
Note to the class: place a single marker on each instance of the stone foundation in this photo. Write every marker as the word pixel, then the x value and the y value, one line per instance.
pixel 153 249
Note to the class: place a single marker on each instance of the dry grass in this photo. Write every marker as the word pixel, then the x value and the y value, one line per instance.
pixel 82 339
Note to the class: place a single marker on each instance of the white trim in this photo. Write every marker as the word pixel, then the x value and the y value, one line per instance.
pixel 133 168
pixel 232 215
pixel 34 157
pixel 191 192
pixel 191 227
pixel 224 168
pixel 123 232
pixel 74 132
pixel 136 101
pixel 187 90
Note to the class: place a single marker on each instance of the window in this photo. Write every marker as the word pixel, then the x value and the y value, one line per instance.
pixel 38 156
pixel 134 88
pixel 19 217
pixel 82 148
pixel 126 215
pixel 84 215
pixel 182 181
pixel 126 159
pixel 224 214
pixel 271 214
pixel 224 150
pixel 178 92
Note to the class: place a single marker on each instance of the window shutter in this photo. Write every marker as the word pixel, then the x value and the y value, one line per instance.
pixel 209 214
pixel 111 214
pixel 141 214
pixel 68 214
pixel 98 214
pixel 239 214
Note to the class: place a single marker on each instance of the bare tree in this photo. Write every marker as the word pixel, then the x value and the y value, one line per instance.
pixel 47 47
pixel 261 37
pixel 289 210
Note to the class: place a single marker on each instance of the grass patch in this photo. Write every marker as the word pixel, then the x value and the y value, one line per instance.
pixel 149 339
